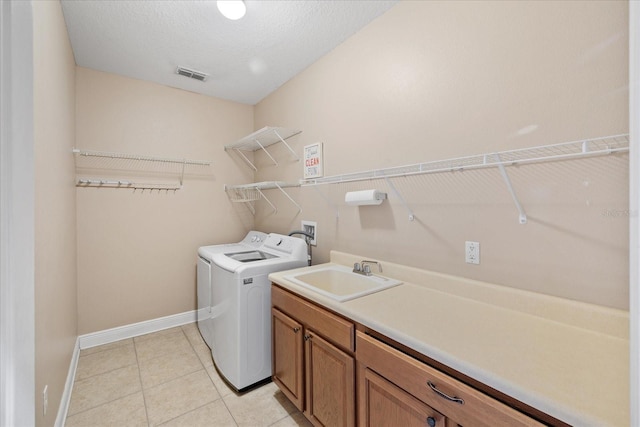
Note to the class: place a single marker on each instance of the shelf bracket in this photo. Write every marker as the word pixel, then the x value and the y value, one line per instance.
pixel 251 208
pixel 265 150
pixel 288 197
pixel 522 217
pixel 267 200
pixel 286 145
pixel 246 159
pixel 393 188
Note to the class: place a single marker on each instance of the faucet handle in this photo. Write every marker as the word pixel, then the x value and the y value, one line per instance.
pixel 356 267
pixel 364 261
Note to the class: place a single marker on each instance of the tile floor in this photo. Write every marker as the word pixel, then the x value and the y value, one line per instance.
pixel 168 379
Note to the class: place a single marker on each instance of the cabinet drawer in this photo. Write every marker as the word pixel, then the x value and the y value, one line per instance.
pixel 335 328
pixel 458 401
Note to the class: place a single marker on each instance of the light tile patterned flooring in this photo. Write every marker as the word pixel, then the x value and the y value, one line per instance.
pixel 168 379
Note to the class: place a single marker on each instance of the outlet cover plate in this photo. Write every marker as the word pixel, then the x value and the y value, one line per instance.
pixel 472 252
pixel 311 227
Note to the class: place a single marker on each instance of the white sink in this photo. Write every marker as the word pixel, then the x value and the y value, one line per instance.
pixel 341 283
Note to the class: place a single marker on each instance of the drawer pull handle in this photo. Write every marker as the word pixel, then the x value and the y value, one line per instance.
pixel 433 387
pixel 295 330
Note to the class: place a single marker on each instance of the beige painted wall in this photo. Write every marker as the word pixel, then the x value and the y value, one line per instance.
pixel 55 215
pixel 436 80
pixel 137 250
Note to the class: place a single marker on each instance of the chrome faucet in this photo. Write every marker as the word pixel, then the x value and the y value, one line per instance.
pixel 363 267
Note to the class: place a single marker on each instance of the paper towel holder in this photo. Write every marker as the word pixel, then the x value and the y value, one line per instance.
pixel 364 197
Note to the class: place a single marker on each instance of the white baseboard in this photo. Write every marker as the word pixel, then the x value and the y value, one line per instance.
pixel 128 331
pixel 63 409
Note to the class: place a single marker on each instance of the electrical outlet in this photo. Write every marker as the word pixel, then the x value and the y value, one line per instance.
pixel 311 227
pixel 45 399
pixel 472 252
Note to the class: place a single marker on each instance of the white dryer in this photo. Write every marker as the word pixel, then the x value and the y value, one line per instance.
pixel 253 239
pixel 241 307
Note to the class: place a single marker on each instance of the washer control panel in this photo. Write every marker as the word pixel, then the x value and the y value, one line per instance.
pixel 279 243
pixel 255 238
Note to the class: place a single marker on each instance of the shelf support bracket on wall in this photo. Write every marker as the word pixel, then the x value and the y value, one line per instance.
pixel 399 196
pixel 265 150
pixel 522 217
pixel 288 197
pixel 286 145
pixel 267 200
pixel 246 159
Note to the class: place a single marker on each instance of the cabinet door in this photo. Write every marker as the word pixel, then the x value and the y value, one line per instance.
pixel 288 369
pixel 330 387
pixel 383 404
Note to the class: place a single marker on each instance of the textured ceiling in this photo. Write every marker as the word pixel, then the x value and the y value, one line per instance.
pixel 245 59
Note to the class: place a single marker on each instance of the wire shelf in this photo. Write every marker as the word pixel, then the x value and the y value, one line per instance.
pixel 243 195
pixel 137 157
pixel 247 193
pixel 120 164
pixel 262 139
pixel 554 152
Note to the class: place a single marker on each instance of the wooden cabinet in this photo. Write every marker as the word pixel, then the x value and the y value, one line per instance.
pixel 411 378
pixel 313 362
pixel 288 357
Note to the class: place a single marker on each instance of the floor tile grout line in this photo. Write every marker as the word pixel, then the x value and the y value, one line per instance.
pixel 77 380
pixel 190 411
pixel 105 349
pixel 104 403
pixel 210 379
pixel 173 379
pixel 144 397
pixel 224 402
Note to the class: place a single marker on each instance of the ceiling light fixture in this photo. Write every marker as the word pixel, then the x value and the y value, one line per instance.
pixel 232 9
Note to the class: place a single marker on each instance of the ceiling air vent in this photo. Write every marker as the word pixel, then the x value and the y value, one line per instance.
pixel 193 74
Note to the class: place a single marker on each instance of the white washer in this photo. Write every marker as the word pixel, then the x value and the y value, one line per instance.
pixel 241 307
pixel 253 239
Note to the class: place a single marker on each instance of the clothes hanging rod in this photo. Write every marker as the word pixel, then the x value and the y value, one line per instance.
pixel 106 183
pixel 123 156
pixel 553 152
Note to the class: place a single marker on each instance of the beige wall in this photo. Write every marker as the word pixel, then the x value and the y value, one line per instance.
pixel 55 215
pixel 435 80
pixel 137 251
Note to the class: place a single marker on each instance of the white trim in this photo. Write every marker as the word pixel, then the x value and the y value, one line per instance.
pixel 65 400
pixel 634 211
pixel 17 324
pixel 136 329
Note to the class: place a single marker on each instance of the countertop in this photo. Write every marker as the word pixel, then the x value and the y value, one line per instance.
pixel 567 359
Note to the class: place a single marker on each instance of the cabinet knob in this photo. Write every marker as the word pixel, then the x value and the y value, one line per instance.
pixel 295 330
pixel 307 337
pixel 431 422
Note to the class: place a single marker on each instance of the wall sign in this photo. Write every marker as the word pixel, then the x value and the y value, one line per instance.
pixel 313 161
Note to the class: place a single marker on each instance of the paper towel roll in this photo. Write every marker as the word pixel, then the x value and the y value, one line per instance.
pixel 364 197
